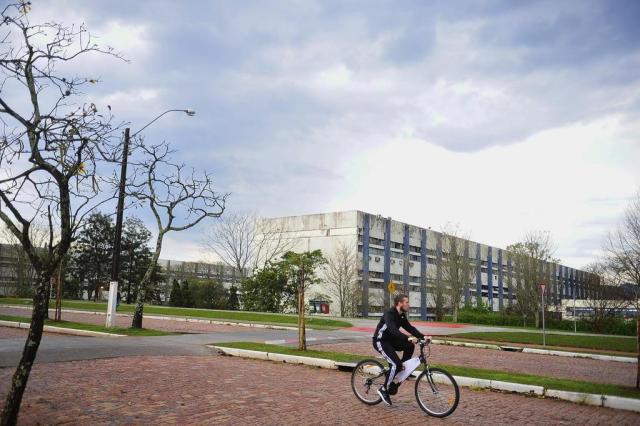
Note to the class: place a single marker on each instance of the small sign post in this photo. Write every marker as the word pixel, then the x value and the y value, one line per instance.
pixel 544 340
pixel 392 287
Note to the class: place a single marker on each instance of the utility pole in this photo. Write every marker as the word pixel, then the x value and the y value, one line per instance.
pixel 115 269
pixel 115 266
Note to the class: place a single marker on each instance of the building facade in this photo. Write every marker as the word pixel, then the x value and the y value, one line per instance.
pixel 16 273
pixel 410 256
pixel 184 270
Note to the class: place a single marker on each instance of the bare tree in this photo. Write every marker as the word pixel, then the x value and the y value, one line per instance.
pixel 622 249
pixel 341 277
pixel 246 243
pixel 529 256
pixel 456 267
pixel 53 151
pixel 178 198
pixel 605 298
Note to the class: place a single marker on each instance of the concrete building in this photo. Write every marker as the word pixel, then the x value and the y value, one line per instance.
pixel 407 255
pixel 16 274
pixel 182 270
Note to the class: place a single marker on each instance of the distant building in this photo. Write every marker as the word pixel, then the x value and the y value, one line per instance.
pixel 392 251
pixel 185 270
pixel 16 273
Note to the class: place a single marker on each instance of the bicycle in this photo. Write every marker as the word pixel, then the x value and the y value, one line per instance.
pixel 436 390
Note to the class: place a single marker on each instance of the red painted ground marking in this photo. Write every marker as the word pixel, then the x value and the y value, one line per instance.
pixel 440 324
pixel 372 329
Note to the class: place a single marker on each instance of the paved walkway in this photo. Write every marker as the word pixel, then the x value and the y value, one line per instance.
pixel 125 321
pixel 10 333
pixel 221 390
pixel 546 365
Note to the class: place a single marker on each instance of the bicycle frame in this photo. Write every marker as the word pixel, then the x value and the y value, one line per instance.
pixel 423 361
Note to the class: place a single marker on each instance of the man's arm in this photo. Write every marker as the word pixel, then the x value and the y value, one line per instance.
pixel 391 326
pixel 411 329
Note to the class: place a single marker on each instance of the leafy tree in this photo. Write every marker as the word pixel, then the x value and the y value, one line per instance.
pixel 92 252
pixel 301 271
pixel 135 256
pixel 209 294
pixel 176 294
pixel 233 303
pixel 187 295
pixel 268 290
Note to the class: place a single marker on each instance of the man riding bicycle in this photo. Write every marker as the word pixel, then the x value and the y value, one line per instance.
pixel 388 339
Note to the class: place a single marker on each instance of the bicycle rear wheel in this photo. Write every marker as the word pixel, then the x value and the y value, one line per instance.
pixel 437 392
pixel 368 375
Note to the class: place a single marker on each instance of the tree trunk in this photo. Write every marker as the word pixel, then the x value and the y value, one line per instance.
pixel 137 314
pixel 142 291
pixel 455 313
pixel 47 299
pixel 302 340
pixel 21 375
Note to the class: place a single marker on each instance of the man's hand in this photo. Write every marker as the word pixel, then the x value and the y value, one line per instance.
pixel 413 339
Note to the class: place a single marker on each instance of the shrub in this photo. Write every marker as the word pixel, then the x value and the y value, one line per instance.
pixel 482 315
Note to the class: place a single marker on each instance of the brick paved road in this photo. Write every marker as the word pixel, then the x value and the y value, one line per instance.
pixel 9 333
pixel 554 366
pixel 221 390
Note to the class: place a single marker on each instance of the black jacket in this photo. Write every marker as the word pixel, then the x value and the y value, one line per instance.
pixel 389 327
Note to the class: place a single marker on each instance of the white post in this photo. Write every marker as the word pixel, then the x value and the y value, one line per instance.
pixel 111 304
pixel 544 340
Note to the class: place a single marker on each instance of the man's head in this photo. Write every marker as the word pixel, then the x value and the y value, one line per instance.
pixel 401 302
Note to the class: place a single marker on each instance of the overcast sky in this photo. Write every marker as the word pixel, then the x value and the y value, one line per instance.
pixel 499 116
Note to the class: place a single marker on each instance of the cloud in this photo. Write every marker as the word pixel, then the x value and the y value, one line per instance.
pixel 307 106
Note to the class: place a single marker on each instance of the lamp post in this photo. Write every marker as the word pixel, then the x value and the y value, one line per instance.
pixel 115 266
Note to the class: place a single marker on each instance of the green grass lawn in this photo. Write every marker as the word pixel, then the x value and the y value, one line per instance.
pixel 479 373
pixel 602 342
pixel 91 327
pixel 236 316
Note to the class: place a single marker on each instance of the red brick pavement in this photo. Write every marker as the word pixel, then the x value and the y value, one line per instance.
pixel 165 325
pixel 554 366
pixel 9 332
pixel 221 390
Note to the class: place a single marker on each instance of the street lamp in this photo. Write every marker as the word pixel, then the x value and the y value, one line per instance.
pixel 115 266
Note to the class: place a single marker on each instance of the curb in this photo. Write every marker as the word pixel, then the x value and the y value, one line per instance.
pixel 173 318
pixel 60 330
pixel 536 351
pixel 465 344
pixel 609 401
pixel 270 356
pixel 580 355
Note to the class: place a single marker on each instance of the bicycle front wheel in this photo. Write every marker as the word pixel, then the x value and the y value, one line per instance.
pixel 437 392
pixel 368 375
